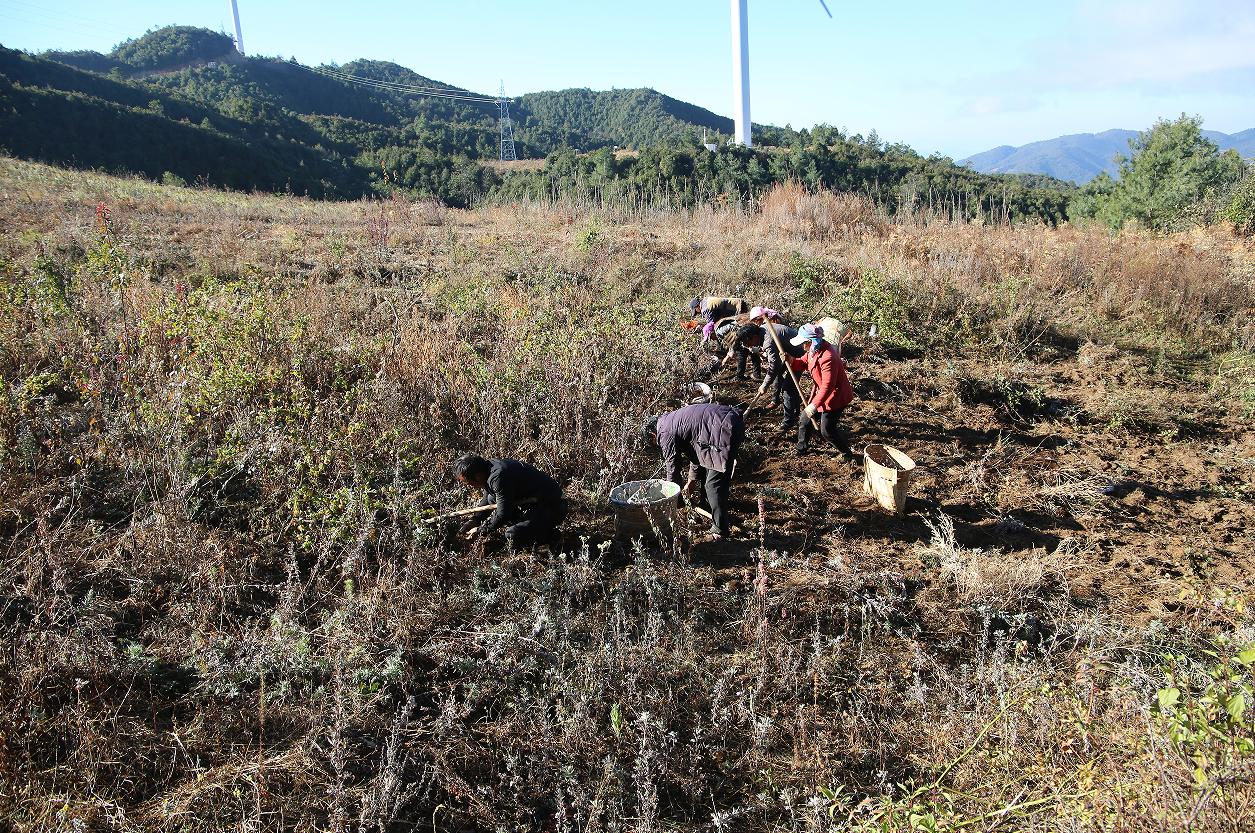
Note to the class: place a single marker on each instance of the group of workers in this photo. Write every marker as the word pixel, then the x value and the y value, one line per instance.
pixel 529 505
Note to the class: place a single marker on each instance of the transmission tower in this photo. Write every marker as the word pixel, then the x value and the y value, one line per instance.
pixel 507 128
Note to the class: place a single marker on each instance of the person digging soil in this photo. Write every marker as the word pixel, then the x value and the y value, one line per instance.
pixel 530 505
pixel 832 392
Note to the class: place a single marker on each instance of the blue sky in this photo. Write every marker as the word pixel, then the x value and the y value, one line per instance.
pixel 952 77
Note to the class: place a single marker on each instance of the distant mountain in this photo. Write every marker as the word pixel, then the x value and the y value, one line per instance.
pixel 203 66
pixel 1082 156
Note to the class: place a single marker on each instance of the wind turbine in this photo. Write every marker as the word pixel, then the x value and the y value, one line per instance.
pixel 239 36
pixel 741 72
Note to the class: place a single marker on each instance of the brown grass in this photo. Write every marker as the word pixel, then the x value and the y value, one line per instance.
pixel 225 417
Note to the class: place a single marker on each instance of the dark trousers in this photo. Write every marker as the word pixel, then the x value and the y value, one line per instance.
pixel 537 524
pixel 719 485
pixel 829 428
pixel 742 355
pixel 792 402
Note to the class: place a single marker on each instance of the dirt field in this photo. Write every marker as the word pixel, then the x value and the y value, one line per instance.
pixel 226 420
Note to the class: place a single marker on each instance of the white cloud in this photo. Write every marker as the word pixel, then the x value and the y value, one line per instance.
pixel 1141 43
pixel 1119 42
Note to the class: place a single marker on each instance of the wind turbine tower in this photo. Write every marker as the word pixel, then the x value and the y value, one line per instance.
pixel 740 74
pixel 239 36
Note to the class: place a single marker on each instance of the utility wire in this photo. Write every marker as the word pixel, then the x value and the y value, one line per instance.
pixel 13 15
pixel 393 86
pixel 401 88
pixel 41 10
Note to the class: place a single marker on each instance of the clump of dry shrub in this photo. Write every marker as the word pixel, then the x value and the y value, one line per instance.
pixel 818 215
pixel 996 580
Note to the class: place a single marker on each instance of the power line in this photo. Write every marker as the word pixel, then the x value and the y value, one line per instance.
pixel 38 10
pixel 401 88
pixel 56 27
pixel 505 125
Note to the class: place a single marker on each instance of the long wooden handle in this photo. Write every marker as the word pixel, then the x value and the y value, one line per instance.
pixel 474 510
pixel 784 358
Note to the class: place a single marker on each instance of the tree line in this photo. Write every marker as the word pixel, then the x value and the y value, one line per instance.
pixel 155 106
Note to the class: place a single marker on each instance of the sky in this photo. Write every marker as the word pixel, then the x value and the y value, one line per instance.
pixel 955 77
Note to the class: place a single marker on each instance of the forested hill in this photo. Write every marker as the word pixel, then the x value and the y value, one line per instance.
pixel 179 104
pixel 585 119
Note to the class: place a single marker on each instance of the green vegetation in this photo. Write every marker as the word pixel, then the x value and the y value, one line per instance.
pixel 225 417
pixel 172 46
pixel 279 126
pixel 154 106
pixel 893 177
pixel 1171 172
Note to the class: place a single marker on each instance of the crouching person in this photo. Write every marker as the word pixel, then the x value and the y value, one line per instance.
pixel 529 503
pixel 745 345
pixel 832 392
pixel 707 438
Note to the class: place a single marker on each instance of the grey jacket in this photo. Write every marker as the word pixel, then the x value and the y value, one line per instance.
pixel 706 435
pixel 776 367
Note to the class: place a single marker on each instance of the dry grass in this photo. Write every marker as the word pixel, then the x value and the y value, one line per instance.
pixel 790 208
pixel 224 418
pixel 1005 582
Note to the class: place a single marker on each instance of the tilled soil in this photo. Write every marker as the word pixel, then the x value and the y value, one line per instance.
pixel 1151 511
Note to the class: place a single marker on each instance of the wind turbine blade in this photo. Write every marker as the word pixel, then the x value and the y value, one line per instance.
pixel 825 5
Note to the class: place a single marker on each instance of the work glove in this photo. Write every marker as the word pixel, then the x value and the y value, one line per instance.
pixel 811 410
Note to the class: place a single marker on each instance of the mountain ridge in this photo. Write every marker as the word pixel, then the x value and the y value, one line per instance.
pixel 180 106
pixel 1079 157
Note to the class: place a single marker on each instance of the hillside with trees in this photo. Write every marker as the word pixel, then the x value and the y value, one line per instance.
pixel 179 105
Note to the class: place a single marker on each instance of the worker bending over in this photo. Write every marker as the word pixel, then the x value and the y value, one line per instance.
pixel 778 351
pixel 744 342
pixel 714 311
pixel 708 438
pixel 714 308
pixel 529 502
pixel 832 392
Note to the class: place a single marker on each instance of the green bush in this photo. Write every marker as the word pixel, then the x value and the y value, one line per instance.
pixel 1171 171
pixel 172 46
pixel 1240 210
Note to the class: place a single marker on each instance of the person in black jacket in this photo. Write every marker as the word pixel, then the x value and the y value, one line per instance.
pixel 530 505
pixel 708 438
pixel 744 343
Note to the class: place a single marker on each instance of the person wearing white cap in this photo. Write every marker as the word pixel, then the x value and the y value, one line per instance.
pixel 832 393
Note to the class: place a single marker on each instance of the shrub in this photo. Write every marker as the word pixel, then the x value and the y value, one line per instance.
pixel 817 215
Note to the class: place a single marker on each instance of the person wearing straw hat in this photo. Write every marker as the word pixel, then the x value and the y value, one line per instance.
pixel 831 394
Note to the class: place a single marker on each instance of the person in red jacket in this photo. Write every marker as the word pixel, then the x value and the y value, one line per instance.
pixel 832 392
